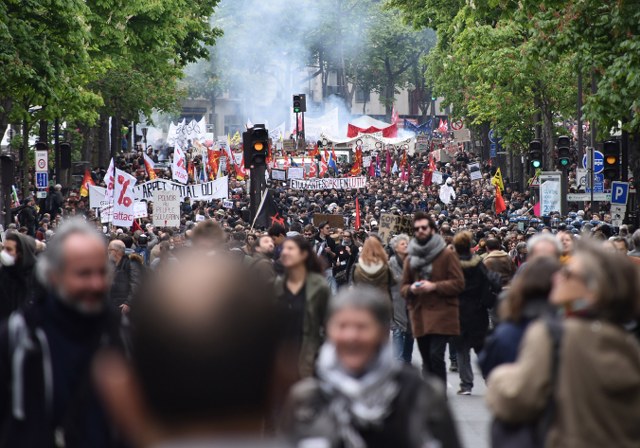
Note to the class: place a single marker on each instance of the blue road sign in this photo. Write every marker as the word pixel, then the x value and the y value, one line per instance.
pixel 492 136
pixel 619 193
pixel 598 162
pixel 598 184
pixel 493 150
pixel 42 179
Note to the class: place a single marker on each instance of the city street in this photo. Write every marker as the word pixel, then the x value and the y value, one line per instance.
pixel 470 411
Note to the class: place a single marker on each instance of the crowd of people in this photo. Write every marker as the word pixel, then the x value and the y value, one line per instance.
pixel 155 337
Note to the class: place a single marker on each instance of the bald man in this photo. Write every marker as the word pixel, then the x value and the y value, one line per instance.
pixel 127 276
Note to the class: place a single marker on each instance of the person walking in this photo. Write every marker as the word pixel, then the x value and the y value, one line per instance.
pixel 127 277
pixel 372 267
pixel 475 301
pixel 362 396
pixel 17 279
pixel 400 327
pixel 302 293
pixel 595 389
pixel 431 282
pixel 46 394
pixel 326 250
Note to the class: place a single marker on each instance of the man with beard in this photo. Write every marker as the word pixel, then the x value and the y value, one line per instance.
pixel 46 395
pixel 263 259
pixel 432 280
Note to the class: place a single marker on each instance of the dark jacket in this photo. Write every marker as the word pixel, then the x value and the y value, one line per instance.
pixel 474 318
pixel 51 347
pixel 17 282
pixel 327 259
pixel 127 278
pixel 420 407
pixel 317 295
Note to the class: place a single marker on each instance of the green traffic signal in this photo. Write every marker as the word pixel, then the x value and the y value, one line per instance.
pixel 536 163
pixel 564 162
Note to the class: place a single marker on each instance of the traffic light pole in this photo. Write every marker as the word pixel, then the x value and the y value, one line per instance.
pixel 256 188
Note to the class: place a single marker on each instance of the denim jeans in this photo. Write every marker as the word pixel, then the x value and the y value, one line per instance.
pixel 331 280
pixel 463 349
pixel 402 345
pixel 432 349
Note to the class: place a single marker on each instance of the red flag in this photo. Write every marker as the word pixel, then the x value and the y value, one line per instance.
pixel 356 169
pixel 313 169
pixel 500 205
pixel 86 182
pixel 357 224
pixel 372 169
pixel 427 176
pixel 149 165
pixel 536 209
pixel 324 167
pixel 241 173
pixel 389 162
pixel 136 226
pixel 213 159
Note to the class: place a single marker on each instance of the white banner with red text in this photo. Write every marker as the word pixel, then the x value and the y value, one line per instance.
pixel 329 183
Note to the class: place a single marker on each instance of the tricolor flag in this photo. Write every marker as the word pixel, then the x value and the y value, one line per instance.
pixel 86 182
pixel 149 165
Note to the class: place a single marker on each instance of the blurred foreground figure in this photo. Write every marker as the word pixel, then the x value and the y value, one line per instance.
pixel 205 343
pixel 47 397
pixel 593 378
pixel 363 396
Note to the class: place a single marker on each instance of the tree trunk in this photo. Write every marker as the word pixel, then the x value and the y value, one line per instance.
pixel 24 160
pixel 103 142
pixel 115 135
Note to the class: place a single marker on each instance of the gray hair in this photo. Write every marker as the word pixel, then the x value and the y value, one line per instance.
pixel 635 239
pixel 53 258
pixel 398 238
pixel 544 237
pixel 363 297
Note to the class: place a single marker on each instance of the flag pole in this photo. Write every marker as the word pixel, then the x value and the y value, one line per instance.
pixel 264 197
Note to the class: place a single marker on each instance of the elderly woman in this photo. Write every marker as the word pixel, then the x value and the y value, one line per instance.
pixel 596 390
pixel 400 326
pixel 362 397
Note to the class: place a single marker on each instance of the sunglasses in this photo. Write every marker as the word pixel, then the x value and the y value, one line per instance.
pixel 418 228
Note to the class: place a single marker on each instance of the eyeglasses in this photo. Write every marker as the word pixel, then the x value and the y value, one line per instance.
pixel 418 228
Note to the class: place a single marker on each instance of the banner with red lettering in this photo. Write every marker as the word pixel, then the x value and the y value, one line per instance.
pixel 179 168
pixel 123 209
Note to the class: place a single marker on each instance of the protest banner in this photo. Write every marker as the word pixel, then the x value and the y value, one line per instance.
pixel 335 221
pixel 166 209
pixel 97 196
pixel 436 178
pixel 179 166
pixel 215 189
pixel 330 183
pixel 123 199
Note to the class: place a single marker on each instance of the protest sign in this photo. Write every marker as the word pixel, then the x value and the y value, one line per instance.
pixel 330 183
pixel 391 225
pixel 436 178
pixel 278 174
pixel 296 173
pixel 335 221
pixel 474 171
pixel 215 189
pixel 140 210
pixel 97 196
pixel 166 209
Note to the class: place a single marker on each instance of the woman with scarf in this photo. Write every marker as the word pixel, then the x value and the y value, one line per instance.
pixel 362 397
pixel 590 372
pixel 372 267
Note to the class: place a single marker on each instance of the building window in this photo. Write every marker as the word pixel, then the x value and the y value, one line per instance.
pixel 362 96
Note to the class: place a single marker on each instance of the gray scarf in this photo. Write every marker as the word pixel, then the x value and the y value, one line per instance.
pixel 363 402
pixel 421 256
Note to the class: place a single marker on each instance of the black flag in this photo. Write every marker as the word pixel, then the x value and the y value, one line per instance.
pixel 268 213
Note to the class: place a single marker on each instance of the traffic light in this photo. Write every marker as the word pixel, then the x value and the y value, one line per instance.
pixel 255 142
pixel 564 151
pixel 611 153
pixel 299 103
pixel 535 154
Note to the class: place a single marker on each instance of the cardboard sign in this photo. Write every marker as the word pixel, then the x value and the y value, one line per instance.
pixel 335 221
pixel 166 208
pixel 391 225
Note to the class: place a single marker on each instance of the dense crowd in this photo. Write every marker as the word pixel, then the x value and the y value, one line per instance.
pixel 154 337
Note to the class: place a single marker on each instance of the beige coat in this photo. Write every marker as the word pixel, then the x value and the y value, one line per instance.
pixel 598 386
